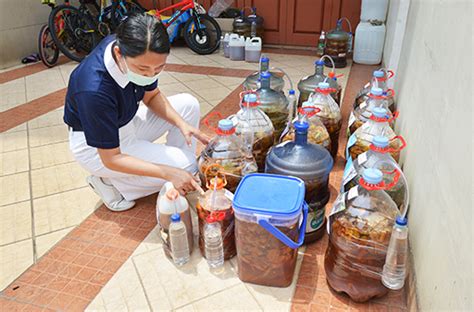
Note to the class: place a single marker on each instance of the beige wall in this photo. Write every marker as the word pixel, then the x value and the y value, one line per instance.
pixel 434 85
pixel 20 22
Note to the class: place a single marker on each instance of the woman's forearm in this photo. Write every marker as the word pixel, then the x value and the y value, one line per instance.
pixel 131 165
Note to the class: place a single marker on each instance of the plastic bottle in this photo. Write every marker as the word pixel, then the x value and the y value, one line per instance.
pixel 379 79
pixel 394 270
pixel 321 43
pixel 253 29
pixel 213 244
pixel 179 240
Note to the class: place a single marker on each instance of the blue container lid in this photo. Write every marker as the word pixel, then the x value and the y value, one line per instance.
pixel 372 176
pixel 291 91
pixel 380 141
pixel 264 59
pixel 379 112
pixel 250 98
pixel 376 91
pixel 323 85
pixel 265 75
pixel 401 220
pixel 319 62
pixel 225 124
pixel 175 217
pixel 270 195
pixel 379 74
pixel 301 126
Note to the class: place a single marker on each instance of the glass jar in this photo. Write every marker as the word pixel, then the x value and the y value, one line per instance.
pixel 252 82
pixel 308 84
pixel 337 45
pixel 360 226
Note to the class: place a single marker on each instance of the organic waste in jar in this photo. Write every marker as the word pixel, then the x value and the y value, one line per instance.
pixel 307 84
pixel 379 80
pixel 254 128
pixel 215 204
pixel 273 103
pixel 227 150
pixel 379 157
pixel 330 113
pixel 337 45
pixel 377 125
pixel 317 133
pixel 268 209
pixel 310 162
pixel 362 113
pixel 360 226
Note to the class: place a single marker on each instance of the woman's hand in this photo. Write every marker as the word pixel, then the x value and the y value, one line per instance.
pixel 189 132
pixel 182 180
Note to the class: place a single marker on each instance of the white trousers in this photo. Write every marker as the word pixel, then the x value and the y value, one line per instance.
pixel 136 139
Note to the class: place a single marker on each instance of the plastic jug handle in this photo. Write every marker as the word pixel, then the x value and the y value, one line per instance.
pixel 256 39
pixel 206 120
pixel 282 237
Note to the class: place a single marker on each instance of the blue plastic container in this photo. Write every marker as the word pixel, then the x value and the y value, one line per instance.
pixel 268 209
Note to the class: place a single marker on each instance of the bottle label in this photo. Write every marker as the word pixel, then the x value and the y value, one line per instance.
pixel 352 119
pixel 351 142
pixel 315 220
pixel 353 193
pixel 362 158
pixel 339 205
pixel 341 55
pixel 349 173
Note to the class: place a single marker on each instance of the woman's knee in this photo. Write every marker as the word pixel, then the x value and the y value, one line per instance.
pixel 189 105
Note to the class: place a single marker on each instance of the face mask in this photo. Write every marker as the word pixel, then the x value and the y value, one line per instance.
pixel 138 79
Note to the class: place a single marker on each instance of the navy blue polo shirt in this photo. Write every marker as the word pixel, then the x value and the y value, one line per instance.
pixel 100 99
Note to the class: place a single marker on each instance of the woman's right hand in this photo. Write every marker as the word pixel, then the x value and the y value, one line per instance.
pixel 182 180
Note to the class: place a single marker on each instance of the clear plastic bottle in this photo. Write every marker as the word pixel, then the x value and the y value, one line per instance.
pixel 321 43
pixel 253 29
pixel 178 240
pixel 379 79
pixel 213 243
pixel 394 270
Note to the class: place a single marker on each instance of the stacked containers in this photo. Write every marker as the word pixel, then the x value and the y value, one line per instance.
pixel 268 210
pixel 311 163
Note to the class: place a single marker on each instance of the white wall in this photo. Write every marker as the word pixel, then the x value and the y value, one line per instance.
pixel 20 22
pixel 434 85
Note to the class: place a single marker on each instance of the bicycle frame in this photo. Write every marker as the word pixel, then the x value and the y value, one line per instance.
pixel 185 5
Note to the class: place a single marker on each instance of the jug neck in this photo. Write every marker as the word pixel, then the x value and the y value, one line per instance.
pixel 301 137
pixel 264 66
pixel 265 83
pixel 319 70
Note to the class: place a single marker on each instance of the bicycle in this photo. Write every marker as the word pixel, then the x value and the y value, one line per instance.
pixel 47 49
pixel 73 29
pixel 201 32
pixel 111 16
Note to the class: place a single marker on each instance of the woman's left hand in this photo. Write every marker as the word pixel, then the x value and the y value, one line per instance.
pixel 189 132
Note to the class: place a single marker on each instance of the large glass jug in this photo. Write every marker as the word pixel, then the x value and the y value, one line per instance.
pixel 241 25
pixel 337 45
pixel 311 163
pixel 227 150
pixel 317 133
pixel 377 125
pixel 379 157
pixel 252 82
pixel 254 127
pixel 363 112
pixel 308 84
pixel 359 226
pixel 379 79
pixel 329 113
pixel 273 103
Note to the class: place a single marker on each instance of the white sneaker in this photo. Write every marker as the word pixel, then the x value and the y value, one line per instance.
pixel 110 195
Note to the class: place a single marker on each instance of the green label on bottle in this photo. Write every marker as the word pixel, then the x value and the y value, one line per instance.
pixel 315 220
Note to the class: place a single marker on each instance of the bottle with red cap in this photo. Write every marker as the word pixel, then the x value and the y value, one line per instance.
pixel 228 150
pixel 379 80
pixel 215 206
pixel 362 113
pixel 254 127
pixel 379 157
pixel 377 125
pixel 329 113
pixel 360 226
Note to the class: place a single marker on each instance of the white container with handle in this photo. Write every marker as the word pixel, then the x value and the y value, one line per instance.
pixel 236 47
pixel 253 49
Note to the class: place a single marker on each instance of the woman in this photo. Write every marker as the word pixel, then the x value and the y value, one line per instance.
pixel 111 135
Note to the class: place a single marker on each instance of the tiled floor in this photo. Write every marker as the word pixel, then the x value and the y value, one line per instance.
pixel 106 263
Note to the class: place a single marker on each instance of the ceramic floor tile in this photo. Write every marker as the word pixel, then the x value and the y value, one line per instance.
pixel 45 242
pixel 205 107
pixel 43 83
pixel 66 70
pixel 13 141
pixel 202 84
pixel 228 81
pixel 151 242
pixel 48 135
pixel 50 155
pixel 14 260
pixel 14 188
pixel 53 118
pixel 214 94
pixel 166 78
pixel 173 88
pixel 123 291
pixel 21 127
pixel 51 180
pixel 165 284
pixel 64 210
pixel 173 59
pixel 14 162
pixel 12 94
pixel 15 222
pixel 236 298
pixel 185 77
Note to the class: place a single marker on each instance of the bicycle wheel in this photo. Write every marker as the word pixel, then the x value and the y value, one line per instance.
pixel 48 51
pixel 73 32
pixel 211 34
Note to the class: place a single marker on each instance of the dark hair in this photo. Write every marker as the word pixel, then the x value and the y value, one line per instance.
pixel 140 33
